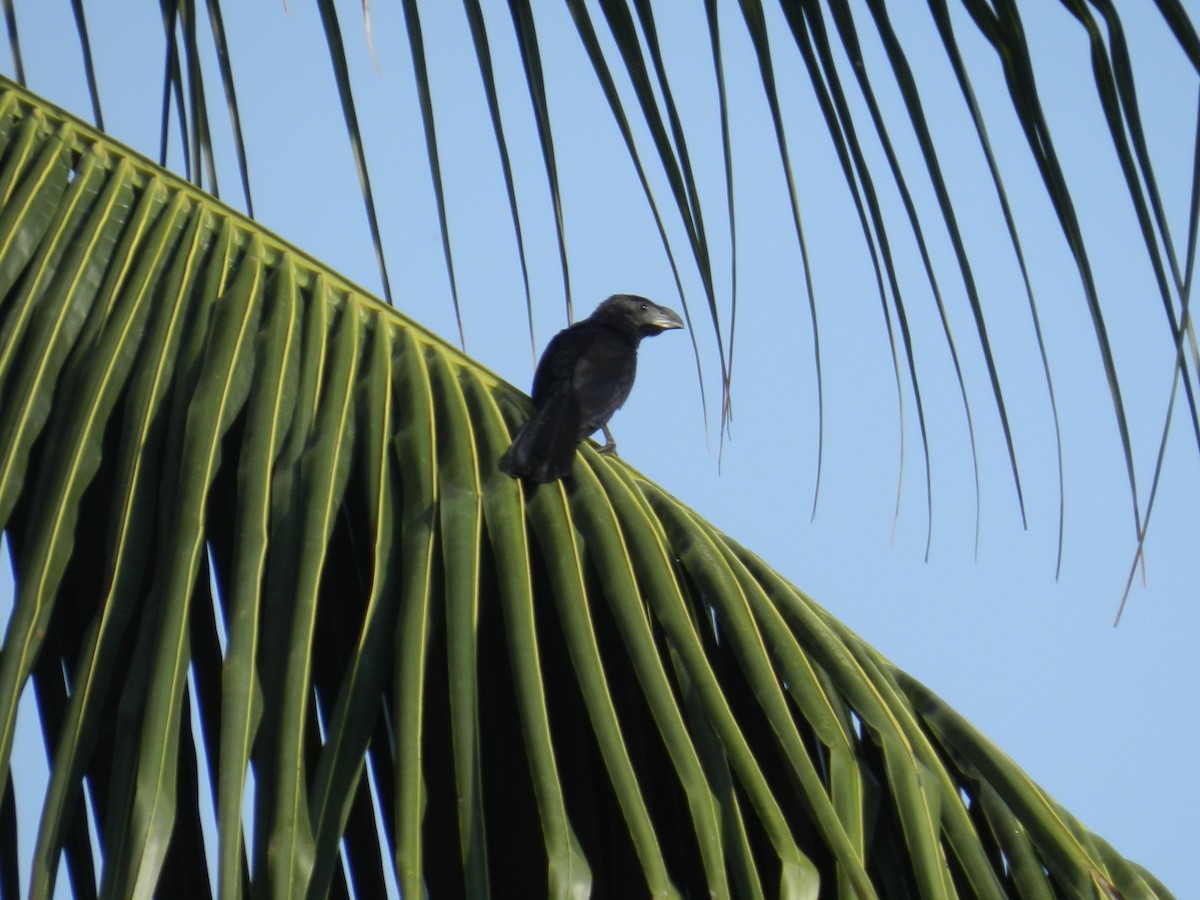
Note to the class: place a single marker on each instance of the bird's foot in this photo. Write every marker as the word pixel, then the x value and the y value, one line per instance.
pixel 610 446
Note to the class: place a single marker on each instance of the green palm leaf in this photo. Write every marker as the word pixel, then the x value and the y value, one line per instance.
pixel 554 691
pixel 622 52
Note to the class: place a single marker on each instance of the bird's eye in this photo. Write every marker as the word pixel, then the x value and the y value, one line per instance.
pixel 645 306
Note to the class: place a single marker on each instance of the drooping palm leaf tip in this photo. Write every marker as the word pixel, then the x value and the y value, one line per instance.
pixel 256 520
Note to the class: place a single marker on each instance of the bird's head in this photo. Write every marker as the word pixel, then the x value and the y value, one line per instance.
pixel 637 314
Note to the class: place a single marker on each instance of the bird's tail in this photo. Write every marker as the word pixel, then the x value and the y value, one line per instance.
pixel 544 448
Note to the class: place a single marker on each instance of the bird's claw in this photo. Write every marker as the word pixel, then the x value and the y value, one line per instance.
pixel 610 446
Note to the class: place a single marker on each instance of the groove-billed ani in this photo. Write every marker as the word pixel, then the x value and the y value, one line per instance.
pixel 583 377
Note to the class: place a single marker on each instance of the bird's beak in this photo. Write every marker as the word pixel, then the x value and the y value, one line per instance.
pixel 665 319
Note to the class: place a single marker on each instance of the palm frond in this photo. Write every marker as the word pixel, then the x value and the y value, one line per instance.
pixel 635 73
pixel 557 690
pixel 337 56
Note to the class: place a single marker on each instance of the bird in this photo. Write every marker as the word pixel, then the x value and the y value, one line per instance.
pixel 585 375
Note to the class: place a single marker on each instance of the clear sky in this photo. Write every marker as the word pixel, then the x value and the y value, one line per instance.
pixel 1105 719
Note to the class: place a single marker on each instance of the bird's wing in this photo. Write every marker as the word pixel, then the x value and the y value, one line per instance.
pixel 544 448
pixel 602 378
pixel 557 365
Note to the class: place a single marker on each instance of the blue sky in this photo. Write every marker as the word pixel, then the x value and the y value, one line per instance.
pixel 1105 719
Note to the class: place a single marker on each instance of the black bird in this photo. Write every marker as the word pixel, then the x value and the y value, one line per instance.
pixel 584 376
